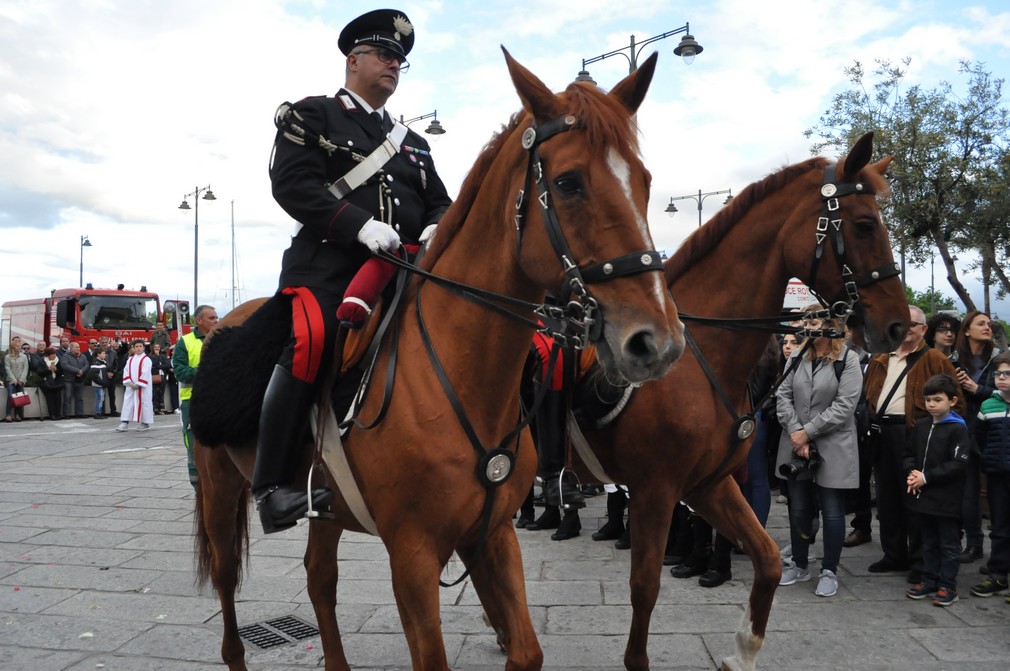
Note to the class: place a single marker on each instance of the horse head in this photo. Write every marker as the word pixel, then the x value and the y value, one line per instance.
pixel 842 250
pixel 580 218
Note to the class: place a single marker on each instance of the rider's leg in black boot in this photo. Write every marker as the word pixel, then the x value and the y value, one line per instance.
pixel 282 435
pixel 549 519
pixel 570 526
pixel 614 527
pixel 552 446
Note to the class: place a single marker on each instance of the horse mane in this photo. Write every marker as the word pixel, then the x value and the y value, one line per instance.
pixel 457 213
pixel 702 241
pixel 604 120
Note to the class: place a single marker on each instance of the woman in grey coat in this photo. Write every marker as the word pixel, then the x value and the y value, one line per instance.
pixel 817 452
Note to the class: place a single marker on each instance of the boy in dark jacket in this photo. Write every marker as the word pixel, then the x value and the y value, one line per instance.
pixel 936 458
pixel 992 433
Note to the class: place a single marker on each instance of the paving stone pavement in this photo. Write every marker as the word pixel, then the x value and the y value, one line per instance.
pixel 96 572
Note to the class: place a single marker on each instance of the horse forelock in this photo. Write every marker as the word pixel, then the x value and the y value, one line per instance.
pixel 705 239
pixel 603 119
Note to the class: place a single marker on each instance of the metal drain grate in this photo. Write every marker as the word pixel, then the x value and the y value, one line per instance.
pixel 281 631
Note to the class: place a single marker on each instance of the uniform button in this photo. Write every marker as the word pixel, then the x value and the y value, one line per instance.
pixel 396 201
pixel 397 227
pixel 389 178
pixel 422 163
pixel 350 143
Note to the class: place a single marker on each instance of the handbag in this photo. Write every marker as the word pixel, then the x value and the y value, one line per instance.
pixel 156 378
pixel 20 399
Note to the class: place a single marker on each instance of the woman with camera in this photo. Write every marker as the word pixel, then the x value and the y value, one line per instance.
pixel 817 452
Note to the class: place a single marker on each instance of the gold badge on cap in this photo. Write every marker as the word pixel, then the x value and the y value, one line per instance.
pixel 401 25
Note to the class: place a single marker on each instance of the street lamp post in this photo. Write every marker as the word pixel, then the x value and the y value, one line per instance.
pixel 84 243
pixel 688 49
pixel 434 128
pixel 671 209
pixel 209 195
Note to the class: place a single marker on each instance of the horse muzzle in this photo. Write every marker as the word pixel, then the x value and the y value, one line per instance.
pixel 640 352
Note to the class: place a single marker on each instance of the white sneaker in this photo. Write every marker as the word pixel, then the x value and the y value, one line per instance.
pixel 178 411
pixel 828 584
pixel 794 574
pixel 144 427
pixel 123 426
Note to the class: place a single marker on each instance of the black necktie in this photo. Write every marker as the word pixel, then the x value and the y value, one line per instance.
pixel 378 120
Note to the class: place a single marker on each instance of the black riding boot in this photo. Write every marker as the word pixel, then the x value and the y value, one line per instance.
pixel 614 527
pixel 283 428
pixel 551 444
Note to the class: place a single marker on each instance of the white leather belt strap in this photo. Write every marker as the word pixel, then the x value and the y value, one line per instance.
pixel 335 459
pixel 586 453
pixel 360 173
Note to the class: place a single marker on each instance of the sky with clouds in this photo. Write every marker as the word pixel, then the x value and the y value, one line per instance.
pixel 112 110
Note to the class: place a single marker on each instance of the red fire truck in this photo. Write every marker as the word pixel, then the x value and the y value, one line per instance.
pixel 87 314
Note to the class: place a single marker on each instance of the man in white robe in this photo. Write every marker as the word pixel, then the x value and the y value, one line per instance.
pixel 138 392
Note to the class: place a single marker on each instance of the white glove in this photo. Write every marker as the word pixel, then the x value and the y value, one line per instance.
pixel 376 235
pixel 428 233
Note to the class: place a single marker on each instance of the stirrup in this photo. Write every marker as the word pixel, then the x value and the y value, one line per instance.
pixel 312 513
pixel 579 500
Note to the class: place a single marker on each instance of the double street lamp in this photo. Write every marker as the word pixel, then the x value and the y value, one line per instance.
pixel 671 209
pixel 687 49
pixel 434 128
pixel 84 243
pixel 207 195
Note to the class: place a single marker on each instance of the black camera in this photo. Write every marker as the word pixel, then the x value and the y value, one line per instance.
pixel 798 465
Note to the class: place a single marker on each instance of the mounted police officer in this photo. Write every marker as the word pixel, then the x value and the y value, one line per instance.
pixel 356 181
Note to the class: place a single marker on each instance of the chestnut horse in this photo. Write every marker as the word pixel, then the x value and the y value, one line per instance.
pixel 417 469
pixel 675 440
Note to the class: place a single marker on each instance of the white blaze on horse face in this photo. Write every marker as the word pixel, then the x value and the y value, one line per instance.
pixel 622 171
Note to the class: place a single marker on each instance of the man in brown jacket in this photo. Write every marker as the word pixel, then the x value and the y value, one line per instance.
pixel 893 386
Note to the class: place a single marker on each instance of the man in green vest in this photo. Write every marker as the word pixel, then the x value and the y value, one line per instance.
pixel 185 361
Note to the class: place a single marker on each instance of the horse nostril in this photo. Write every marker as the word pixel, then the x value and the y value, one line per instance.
pixel 642 346
pixel 896 331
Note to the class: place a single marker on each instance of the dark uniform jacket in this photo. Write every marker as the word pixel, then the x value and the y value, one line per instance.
pixel 325 253
pixel 941 452
pixel 931 362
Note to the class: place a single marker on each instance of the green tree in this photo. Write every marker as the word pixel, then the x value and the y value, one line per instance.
pixel 948 179
pixel 929 301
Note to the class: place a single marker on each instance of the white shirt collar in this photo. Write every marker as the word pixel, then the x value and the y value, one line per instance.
pixel 364 105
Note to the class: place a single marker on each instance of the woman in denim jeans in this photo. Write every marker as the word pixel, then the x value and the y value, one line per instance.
pixel 816 407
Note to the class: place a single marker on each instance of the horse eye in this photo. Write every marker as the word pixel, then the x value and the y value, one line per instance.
pixel 569 183
pixel 866 227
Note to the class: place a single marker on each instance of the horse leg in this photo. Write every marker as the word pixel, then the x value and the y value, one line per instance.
pixel 725 508
pixel 322 572
pixel 652 510
pixel 416 566
pixel 497 577
pixel 221 519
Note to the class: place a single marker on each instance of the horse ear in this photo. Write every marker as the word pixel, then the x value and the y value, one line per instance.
pixel 631 90
pixel 857 158
pixel 880 167
pixel 537 98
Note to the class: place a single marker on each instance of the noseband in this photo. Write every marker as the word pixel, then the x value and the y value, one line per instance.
pixel 829 226
pixel 577 311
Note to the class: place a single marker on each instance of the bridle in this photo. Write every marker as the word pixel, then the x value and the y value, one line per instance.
pixel 577 308
pixel 829 226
